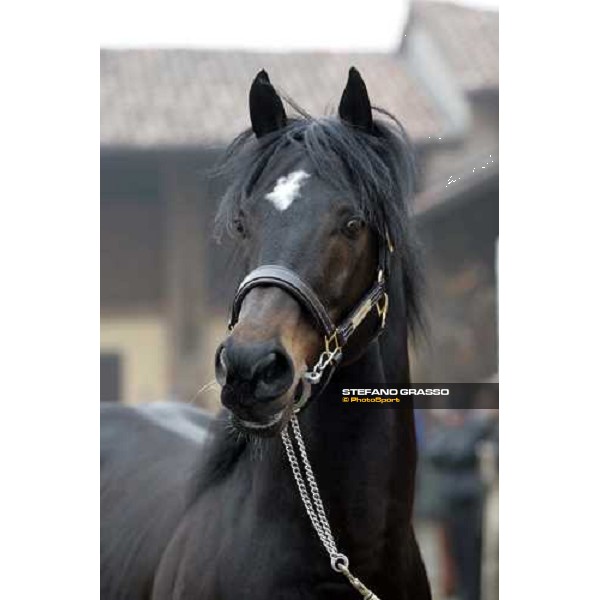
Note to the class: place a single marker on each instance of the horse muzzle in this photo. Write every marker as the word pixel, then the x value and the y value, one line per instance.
pixel 256 380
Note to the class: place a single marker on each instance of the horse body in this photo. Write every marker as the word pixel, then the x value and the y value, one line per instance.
pixel 248 537
pixel 149 459
pixel 190 513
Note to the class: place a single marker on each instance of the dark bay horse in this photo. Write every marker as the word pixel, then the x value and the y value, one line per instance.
pixel 207 509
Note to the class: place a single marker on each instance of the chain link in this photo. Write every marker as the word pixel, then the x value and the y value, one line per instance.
pixel 324 533
pixel 311 498
pixel 312 482
pixel 325 359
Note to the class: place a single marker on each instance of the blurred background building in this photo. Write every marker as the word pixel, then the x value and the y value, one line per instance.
pixel 166 116
pixel 166 285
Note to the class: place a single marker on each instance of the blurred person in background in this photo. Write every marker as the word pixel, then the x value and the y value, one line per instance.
pixel 451 447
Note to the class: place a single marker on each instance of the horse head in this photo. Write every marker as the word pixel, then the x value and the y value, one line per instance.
pixel 318 201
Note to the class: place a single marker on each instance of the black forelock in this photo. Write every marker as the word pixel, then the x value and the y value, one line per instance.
pixel 378 166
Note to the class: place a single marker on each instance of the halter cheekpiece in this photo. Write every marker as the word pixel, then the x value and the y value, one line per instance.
pixel 335 337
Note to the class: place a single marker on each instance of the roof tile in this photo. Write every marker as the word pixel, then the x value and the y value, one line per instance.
pixel 468 38
pixel 157 97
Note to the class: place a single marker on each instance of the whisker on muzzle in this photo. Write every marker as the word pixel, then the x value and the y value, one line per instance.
pixel 212 383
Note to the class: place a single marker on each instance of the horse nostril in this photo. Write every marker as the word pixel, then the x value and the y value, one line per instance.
pixel 269 368
pixel 273 374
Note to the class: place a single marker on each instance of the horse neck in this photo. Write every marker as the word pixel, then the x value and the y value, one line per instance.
pixel 364 457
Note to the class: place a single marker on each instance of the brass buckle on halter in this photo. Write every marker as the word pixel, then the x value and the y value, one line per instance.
pixel 332 353
pixel 333 338
pixel 382 306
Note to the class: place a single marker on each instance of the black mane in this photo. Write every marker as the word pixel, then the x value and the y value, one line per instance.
pixel 378 166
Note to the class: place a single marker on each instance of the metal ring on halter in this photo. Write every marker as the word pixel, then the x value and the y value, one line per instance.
pixel 339 562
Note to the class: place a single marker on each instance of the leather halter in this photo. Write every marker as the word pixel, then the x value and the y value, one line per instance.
pixel 335 337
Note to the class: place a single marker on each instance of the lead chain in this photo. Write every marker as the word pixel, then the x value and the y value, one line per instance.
pixel 323 531
pixel 313 505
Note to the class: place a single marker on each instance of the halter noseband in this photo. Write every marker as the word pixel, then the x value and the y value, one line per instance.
pixel 335 337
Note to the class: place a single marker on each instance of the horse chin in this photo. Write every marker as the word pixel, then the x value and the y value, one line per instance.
pixel 273 424
pixel 267 428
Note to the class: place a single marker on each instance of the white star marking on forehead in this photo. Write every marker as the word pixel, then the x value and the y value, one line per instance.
pixel 287 189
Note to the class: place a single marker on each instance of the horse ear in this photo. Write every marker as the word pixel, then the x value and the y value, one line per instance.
pixel 355 106
pixel 266 109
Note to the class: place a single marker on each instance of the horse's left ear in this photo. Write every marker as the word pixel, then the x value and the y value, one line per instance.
pixel 355 106
pixel 266 109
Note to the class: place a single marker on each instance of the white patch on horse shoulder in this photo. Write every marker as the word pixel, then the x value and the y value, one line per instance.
pixel 287 189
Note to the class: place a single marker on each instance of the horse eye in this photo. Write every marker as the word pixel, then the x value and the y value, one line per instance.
pixel 353 227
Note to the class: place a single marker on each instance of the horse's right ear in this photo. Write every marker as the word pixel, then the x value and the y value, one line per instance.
pixel 266 109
